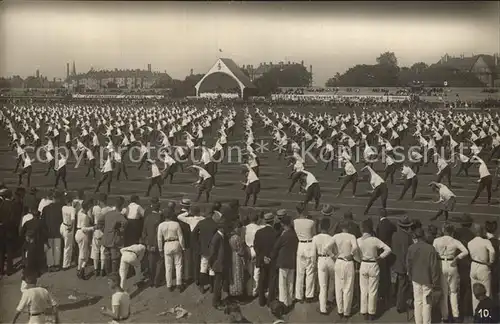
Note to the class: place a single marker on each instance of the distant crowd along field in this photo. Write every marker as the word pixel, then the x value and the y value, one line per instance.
pixel 429 94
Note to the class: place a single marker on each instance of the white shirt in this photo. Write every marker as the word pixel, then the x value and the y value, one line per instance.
pixel 369 247
pixel 389 160
pixel 169 231
pixel 83 221
pixel 447 247
pixel 108 166
pixel 441 164
pixel 62 163
pixel 134 211
pixel 37 299
pixel 483 168
pixel 203 174
pixel 407 172
pixel 27 162
pixel 444 193
pixel 375 179
pixel 310 179
pixel 138 249
pixel 304 228
pixel 349 168
pixel 121 299
pixel 345 245
pixel 250 231
pixel 322 246
pixel 298 166
pixel 155 172
pixel 463 158
pixel 68 215
pixel 481 250
pixel 251 177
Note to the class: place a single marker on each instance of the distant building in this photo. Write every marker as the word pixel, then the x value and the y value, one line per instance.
pixel 116 79
pixel 485 67
pixel 255 72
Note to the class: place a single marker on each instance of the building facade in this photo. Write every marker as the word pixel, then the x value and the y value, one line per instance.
pixel 485 67
pixel 97 80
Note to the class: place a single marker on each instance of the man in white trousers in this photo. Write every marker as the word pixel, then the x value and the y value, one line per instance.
pixel 249 236
pixel 450 250
pixel 347 249
pixel 369 271
pixel 424 270
pixel 131 256
pixel 482 255
pixel 171 247
pixel 284 255
pixel 326 266
pixel 67 232
pixel 306 258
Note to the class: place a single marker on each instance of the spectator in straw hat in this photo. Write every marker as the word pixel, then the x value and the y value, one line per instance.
pixel 263 244
pixel 401 241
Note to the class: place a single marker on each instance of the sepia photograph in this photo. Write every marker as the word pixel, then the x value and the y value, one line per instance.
pixel 249 161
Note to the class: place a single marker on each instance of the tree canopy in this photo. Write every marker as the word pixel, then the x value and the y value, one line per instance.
pixel 386 73
pixel 293 75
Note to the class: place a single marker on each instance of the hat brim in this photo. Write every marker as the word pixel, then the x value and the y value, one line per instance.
pixel 327 214
pixel 405 224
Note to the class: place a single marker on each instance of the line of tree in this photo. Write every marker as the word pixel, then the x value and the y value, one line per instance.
pixel 387 73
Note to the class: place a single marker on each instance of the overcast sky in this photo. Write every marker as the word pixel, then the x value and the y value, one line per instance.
pixel 179 36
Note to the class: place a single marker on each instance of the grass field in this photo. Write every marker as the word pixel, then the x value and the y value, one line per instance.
pixel 273 196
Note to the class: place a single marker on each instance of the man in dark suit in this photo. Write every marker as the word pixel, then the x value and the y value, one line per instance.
pixel 219 261
pixel 113 238
pixel 263 245
pixel 201 237
pixel 401 241
pixel 186 234
pixel 384 232
pixel 149 238
pixel 52 216
pixel 285 254
pixel 464 234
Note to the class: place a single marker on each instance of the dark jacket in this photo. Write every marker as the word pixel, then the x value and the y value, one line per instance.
pixel 186 233
pixel 52 216
pixel 219 258
pixel 385 230
pixel 202 236
pixel 263 244
pixel 150 228
pixel 285 250
pixel 401 241
pixel 30 200
pixel 423 264
pixel 114 229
